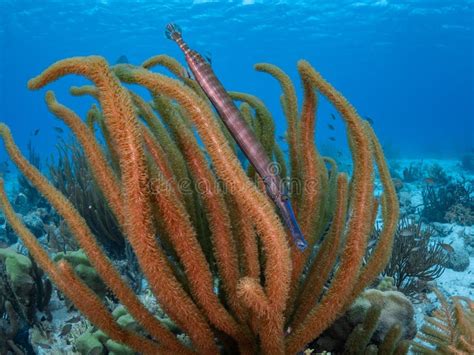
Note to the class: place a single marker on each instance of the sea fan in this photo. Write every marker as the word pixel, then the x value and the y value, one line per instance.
pixel 450 330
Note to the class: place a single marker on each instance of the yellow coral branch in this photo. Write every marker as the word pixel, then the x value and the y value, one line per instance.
pixel 343 282
pixel 249 248
pixel 390 211
pixel 104 176
pixel 84 236
pixel 176 68
pixel 290 108
pixel 82 297
pixel 227 167
pixel 123 126
pixel 325 258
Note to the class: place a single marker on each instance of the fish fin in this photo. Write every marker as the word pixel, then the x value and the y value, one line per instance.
pixel 188 74
pixel 292 224
pixel 208 57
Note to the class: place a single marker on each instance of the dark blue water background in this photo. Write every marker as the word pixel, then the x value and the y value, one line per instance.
pixel 408 65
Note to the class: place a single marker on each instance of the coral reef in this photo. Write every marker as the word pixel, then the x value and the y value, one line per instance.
pixel 413 172
pixel 28 196
pixel 72 176
pixel 437 175
pixel 208 241
pixel 9 328
pixel 83 268
pixel 96 342
pixel 23 293
pixel 378 321
pixel 452 202
pixel 457 259
pixel 467 162
pixel 416 259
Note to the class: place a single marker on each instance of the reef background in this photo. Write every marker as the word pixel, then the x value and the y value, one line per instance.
pixel 406 65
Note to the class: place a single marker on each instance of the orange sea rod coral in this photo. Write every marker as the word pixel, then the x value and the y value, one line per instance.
pixel 215 254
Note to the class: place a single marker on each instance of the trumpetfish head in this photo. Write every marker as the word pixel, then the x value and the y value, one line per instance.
pixel 173 31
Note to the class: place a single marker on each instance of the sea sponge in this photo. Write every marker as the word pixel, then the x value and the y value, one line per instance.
pixel 97 342
pixel 84 270
pixel 19 272
pixel 378 319
pixel 396 309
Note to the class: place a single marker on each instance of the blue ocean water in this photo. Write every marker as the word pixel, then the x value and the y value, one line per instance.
pixel 408 65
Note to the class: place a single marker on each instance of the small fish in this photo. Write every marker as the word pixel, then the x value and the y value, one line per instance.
pixel 74 319
pixel 331 127
pixel 339 153
pixel 208 56
pixel 368 119
pixel 44 346
pixel 58 129
pixel 407 233
pixel 122 60
pixel 333 116
pixel 429 181
pixel 415 249
pixel 282 138
pixel 35 133
pixel 66 329
pixel 332 138
pixel 447 247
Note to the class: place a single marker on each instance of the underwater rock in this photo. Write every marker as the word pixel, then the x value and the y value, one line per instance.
pixel 7 236
pixel 18 269
pixel 34 222
pixel 404 198
pixel 21 203
pixel 410 200
pixel 394 311
pixel 467 235
pixel 397 183
pixel 84 270
pixel 458 260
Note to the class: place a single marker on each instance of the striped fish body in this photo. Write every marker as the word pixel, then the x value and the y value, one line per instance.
pixel 231 116
pixel 242 134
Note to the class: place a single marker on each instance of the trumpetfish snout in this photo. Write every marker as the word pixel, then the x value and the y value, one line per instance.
pixel 172 31
pixel 241 132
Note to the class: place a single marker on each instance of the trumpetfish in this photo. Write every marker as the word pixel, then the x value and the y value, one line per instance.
pixel 241 132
